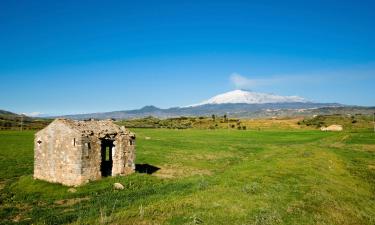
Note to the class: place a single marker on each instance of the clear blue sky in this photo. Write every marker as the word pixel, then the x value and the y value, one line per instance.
pixel 60 57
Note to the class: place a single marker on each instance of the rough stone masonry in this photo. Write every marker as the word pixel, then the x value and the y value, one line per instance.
pixel 74 152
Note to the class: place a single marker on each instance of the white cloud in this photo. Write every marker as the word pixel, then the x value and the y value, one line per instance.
pixel 341 76
pixel 243 82
pixel 240 81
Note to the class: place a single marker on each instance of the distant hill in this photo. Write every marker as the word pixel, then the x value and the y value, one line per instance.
pixel 13 121
pixel 237 103
pixel 239 110
pixel 3 112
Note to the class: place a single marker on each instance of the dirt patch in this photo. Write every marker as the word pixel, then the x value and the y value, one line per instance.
pixel 368 148
pixel 169 171
pixel 17 218
pixel 71 201
pixel 2 185
pixel 216 156
pixel 273 123
pixel 337 145
pixel 23 210
pixel 363 148
pixel 203 156
pixel 346 137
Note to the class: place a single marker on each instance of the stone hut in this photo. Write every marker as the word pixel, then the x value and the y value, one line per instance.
pixel 74 152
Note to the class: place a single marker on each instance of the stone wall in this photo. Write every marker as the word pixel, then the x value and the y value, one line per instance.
pixel 57 156
pixel 129 162
pixel 91 158
pixel 118 155
pixel 124 155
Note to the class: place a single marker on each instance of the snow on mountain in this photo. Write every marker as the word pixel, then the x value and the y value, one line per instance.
pixel 249 97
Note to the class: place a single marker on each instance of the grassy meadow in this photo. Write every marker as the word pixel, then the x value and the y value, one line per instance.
pixel 220 176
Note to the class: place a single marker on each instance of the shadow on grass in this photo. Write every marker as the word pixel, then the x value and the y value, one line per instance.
pixel 146 168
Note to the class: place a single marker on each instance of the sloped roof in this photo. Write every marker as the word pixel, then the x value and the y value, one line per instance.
pixel 92 126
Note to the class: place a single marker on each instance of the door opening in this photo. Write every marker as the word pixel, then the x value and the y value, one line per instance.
pixel 107 162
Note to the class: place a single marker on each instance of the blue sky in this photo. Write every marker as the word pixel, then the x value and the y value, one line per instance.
pixel 93 56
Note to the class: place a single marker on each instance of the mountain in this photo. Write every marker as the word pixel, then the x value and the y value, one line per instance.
pixel 237 103
pixel 234 110
pixel 240 104
pixel 249 97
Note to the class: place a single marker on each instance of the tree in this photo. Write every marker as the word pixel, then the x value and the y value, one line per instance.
pixel 213 117
pixel 225 118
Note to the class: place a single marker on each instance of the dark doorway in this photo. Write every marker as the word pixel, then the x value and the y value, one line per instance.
pixel 107 162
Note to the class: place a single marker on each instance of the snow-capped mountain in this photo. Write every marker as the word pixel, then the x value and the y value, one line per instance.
pixel 237 103
pixel 249 97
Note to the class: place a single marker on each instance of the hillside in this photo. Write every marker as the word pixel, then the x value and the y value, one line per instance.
pixel 3 112
pixel 13 121
pixel 349 122
pixel 239 110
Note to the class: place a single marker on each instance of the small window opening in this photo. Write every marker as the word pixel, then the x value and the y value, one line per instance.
pixel 87 148
pixel 88 145
pixel 74 142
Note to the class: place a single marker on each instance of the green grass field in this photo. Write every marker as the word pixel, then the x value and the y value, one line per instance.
pixel 206 177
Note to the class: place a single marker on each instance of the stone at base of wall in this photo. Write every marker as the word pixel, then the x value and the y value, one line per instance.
pixel 77 183
pixel 128 171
